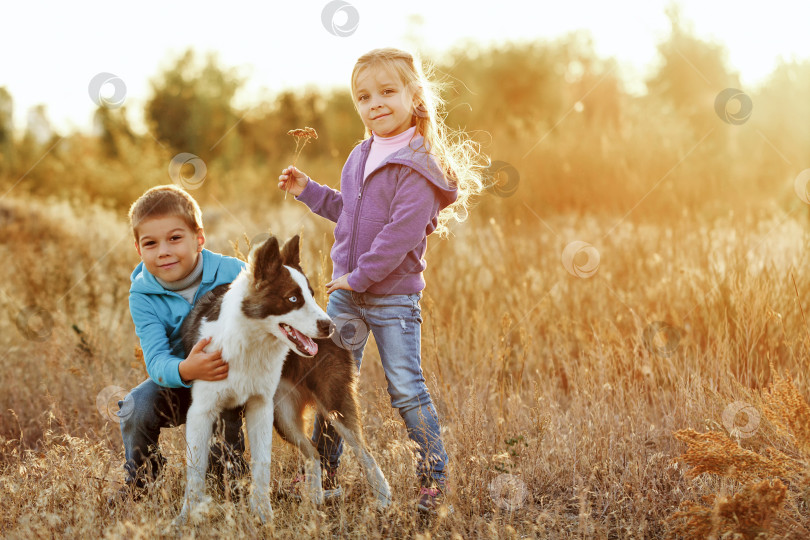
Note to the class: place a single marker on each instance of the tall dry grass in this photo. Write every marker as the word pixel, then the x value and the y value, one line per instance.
pixel 564 414
pixel 665 395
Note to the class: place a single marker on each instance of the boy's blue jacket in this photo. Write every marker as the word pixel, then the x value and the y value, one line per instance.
pixel 158 314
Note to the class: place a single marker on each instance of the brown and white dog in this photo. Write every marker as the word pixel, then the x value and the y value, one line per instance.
pixel 275 338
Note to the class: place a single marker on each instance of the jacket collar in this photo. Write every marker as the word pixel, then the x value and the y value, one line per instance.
pixel 144 282
pixel 417 157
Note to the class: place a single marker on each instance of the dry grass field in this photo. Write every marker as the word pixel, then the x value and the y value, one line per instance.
pixel 641 401
pixel 616 342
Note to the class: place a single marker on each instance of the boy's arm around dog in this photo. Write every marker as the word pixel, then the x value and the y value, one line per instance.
pixel 162 366
pixel 158 315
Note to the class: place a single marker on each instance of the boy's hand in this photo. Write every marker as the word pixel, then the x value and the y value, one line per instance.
pixel 340 283
pixel 203 366
pixel 292 181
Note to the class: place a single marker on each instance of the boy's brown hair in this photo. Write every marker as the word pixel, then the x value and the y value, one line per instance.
pixel 166 200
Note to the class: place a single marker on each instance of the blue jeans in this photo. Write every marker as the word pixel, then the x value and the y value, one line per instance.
pixel 149 407
pixel 395 320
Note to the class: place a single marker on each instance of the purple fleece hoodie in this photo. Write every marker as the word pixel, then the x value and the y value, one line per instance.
pixel 383 224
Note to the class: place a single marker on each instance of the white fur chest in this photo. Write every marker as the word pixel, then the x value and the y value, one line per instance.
pixel 243 384
pixel 255 357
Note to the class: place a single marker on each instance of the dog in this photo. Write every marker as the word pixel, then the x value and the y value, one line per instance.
pixel 275 339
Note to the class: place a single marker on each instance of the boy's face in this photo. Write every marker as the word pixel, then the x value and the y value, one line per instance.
pixel 168 247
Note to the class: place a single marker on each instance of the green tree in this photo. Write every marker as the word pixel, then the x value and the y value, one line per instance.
pixel 331 113
pixel 525 88
pixel 190 108
pixel 691 74
pixel 780 144
pixel 36 140
pixel 341 124
pixel 511 88
pixel 113 129
pixel 7 156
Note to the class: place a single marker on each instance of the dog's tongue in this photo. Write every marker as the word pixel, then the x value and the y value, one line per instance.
pixel 309 346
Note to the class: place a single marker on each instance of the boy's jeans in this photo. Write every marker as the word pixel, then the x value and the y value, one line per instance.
pixel 149 407
pixel 395 320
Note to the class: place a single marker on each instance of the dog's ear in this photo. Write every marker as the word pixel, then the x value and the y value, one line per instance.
pixel 265 260
pixel 290 254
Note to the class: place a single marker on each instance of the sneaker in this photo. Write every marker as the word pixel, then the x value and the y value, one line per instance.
pixel 331 487
pixel 431 499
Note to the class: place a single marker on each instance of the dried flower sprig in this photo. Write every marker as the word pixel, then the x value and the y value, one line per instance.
pixel 300 135
pixel 307 133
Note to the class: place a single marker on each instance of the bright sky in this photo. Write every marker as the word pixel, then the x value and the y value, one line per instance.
pixel 51 50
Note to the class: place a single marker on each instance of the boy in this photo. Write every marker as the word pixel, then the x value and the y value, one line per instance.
pixel 174 272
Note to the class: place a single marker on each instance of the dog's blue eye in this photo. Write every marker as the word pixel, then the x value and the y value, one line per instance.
pixel 293 299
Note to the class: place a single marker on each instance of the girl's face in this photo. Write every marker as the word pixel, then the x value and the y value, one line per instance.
pixel 384 103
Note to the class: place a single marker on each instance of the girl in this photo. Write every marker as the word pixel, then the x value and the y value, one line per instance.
pixel 404 181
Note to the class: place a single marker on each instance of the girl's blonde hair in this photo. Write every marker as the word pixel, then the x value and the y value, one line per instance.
pixel 458 156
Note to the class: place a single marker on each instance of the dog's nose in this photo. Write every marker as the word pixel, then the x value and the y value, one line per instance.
pixel 326 327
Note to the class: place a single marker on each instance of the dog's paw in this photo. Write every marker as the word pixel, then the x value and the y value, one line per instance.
pixel 315 489
pixel 194 510
pixel 178 523
pixel 383 498
pixel 318 497
pixel 383 502
pixel 182 519
pixel 262 509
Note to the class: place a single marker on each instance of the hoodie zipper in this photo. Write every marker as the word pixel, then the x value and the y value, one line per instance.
pixel 360 170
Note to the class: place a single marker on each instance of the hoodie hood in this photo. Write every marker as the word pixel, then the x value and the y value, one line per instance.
pixel 417 157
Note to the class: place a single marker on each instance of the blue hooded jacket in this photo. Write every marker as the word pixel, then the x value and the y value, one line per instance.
pixel 158 314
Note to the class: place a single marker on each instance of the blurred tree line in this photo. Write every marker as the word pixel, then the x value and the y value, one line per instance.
pixel 554 109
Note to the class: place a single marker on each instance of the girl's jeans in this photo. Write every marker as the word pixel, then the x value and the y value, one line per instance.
pixel 395 320
pixel 149 407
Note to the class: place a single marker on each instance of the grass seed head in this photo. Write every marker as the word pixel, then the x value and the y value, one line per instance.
pixel 307 133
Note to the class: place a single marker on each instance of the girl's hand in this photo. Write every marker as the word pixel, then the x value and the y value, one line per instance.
pixel 292 181
pixel 340 283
